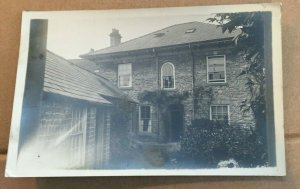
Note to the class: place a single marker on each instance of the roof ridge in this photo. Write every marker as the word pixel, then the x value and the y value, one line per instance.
pixel 157 31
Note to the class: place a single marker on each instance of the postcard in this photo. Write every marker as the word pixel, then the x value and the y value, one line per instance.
pixel 154 91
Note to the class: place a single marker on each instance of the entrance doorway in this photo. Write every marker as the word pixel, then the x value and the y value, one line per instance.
pixel 176 122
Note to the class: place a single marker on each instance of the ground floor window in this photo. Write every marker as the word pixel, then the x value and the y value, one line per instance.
pixel 219 112
pixel 145 119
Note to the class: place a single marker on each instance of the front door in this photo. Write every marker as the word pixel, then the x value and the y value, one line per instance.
pixel 176 122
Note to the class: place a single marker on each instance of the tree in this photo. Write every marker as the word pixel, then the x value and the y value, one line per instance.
pixel 250 44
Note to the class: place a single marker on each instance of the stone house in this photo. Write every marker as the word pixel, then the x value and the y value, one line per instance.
pixel 75 116
pixel 191 57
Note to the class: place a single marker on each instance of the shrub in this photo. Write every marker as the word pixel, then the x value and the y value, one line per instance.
pixel 210 142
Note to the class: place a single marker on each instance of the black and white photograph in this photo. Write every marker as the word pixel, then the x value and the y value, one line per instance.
pixel 140 92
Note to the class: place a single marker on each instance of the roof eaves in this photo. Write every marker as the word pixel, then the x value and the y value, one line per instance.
pixel 93 56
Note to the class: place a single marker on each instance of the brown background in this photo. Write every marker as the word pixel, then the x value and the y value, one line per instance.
pixel 10 25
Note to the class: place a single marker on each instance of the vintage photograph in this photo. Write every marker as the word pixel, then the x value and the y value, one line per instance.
pixel 165 91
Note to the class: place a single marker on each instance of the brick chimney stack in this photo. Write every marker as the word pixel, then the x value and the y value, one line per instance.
pixel 115 37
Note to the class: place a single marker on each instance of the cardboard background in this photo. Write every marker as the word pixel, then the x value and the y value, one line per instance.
pixel 10 25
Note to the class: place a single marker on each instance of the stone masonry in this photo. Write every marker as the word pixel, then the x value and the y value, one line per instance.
pixel 146 76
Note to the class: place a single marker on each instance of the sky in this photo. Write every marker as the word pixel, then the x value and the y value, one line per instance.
pixel 71 34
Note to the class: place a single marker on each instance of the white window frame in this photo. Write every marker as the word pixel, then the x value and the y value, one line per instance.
pixel 130 81
pixel 161 76
pixel 228 110
pixel 140 120
pixel 207 75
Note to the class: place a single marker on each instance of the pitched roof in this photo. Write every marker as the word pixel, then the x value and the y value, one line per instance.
pixel 174 35
pixel 65 78
pixel 85 64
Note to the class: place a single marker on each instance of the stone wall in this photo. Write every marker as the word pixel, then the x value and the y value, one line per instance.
pixel 146 76
pixel 231 93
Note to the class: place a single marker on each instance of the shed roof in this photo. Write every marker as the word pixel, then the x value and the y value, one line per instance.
pixel 65 78
pixel 185 33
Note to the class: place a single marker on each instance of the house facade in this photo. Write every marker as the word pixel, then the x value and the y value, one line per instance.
pixel 193 58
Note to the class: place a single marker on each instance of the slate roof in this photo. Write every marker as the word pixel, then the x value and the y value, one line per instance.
pixel 85 64
pixel 65 78
pixel 173 35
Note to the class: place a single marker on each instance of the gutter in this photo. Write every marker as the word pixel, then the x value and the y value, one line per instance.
pixel 94 56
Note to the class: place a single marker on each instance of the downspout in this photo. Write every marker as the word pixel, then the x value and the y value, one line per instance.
pixel 157 67
pixel 158 88
pixel 193 80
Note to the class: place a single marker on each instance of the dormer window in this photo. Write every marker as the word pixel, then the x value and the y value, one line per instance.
pixel 168 76
pixel 191 30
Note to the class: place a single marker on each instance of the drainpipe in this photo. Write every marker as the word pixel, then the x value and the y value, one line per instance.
pixel 158 88
pixel 157 67
pixel 193 79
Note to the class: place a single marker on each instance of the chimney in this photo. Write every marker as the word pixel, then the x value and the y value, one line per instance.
pixel 115 37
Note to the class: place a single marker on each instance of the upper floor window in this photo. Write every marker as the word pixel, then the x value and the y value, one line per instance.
pixel 219 112
pixel 145 119
pixel 124 75
pixel 216 69
pixel 168 76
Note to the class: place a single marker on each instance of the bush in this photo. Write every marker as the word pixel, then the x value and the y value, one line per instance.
pixel 210 142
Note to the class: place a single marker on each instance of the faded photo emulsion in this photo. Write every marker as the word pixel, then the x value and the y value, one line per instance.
pixel 166 91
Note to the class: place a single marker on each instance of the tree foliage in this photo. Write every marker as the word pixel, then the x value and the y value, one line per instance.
pixel 163 99
pixel 249 40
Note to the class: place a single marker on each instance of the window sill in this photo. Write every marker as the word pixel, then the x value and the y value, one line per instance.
pixel 168 89
pixel 145 134
pixel 217 84
pixel 125 88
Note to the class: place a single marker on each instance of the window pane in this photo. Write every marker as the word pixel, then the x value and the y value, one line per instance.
pixel 124 69
pixel 124 80
pixel 225 109
pixel 219 112
pixel 168 82
pixel 124 73
pixel 214 109
pixel 167 70
pixel 216 69
pixel 214 117
pixel 145 112
pixel 168 76
pixel 145 119
pixel 222 75
pixel 146 125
